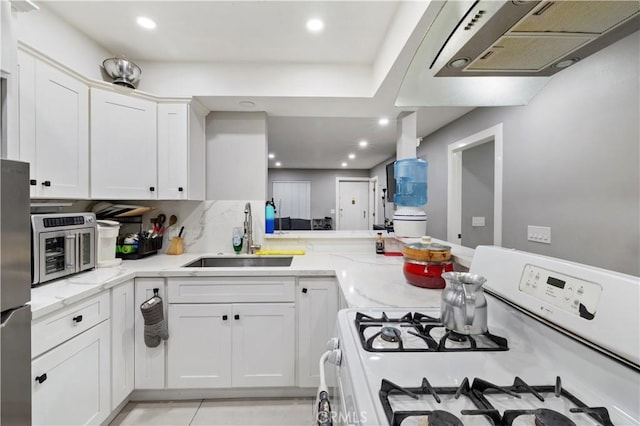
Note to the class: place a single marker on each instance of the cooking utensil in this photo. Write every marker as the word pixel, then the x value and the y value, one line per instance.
pixel 426 274
pixel 180 233
pixel 173 219
pixel 427 251
pixel 464 307
pixel 123 71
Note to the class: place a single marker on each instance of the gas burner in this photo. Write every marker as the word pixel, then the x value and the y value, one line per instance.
pixel 443 418
pixel 390 334
pixel 416 332
pixel 542 416
pixel 456 337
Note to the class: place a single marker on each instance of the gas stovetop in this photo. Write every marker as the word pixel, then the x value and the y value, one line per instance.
pixel 418 332
pixel 484 403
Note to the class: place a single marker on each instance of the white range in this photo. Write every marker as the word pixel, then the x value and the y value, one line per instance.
pixel 563 348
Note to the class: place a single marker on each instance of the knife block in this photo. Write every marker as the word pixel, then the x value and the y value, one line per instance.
pixel 176 246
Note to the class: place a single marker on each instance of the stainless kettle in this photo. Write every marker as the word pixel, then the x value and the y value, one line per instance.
pixel 464 307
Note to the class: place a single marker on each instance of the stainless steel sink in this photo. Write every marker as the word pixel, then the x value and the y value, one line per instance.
pixel 240 262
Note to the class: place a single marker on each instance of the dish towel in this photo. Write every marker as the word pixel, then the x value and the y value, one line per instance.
pixel 155 326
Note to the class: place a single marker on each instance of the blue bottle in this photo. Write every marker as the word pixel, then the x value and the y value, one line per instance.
pixel 270 218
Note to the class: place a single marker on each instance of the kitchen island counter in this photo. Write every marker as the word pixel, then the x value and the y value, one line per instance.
pixel 366 280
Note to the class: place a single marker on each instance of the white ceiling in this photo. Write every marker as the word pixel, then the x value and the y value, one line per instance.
pixel 304 132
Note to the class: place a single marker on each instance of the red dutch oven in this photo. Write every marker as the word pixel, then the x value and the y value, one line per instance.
pixel 426 274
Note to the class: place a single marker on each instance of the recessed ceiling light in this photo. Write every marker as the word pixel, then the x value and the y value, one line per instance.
pixel 383 121
pixel 247 104
pixel 146 23
pixel 315 25
pixel 352 156
pixel 272 155
pixel 566 63
pixel 363 143
pixel 278 164
pixel 344 164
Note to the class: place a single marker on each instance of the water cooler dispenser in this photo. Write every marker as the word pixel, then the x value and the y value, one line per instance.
pixel 410 220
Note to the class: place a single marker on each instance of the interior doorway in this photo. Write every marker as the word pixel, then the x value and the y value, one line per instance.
pixel 477 188
pixel 355 203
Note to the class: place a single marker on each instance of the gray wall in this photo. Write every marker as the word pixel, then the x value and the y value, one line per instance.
pixel 477 194
pixel 323 186
pixel 570 162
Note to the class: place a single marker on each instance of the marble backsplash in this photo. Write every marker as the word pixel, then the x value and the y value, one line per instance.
pixel 208 228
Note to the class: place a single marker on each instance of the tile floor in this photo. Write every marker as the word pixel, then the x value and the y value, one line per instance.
pixel 227 412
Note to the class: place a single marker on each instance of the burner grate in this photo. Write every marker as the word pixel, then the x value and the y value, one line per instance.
pixel 478 394
pixel 372 329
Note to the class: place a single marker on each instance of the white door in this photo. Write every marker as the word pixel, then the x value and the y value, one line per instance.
pixel 172 151
pixel 263 344
pixel 149 365
pixel 123 147
pixel 353 205
pixel 122 342
pixel 199 347
pixel 70 384
pixel 317 310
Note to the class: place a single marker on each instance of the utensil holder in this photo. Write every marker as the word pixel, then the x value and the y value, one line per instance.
pixel 176 246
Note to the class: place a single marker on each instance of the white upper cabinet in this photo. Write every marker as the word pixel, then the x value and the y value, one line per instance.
pixel 54 129
pixel 123 146
pixel 181 139
pixel 173 146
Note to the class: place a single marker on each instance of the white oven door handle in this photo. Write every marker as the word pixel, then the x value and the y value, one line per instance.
pixel 323 417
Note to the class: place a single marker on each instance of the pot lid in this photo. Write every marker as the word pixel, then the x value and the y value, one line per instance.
pixel 428 246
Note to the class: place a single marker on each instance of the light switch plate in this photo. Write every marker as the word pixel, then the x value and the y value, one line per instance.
pixel 477 221
pixel 539 234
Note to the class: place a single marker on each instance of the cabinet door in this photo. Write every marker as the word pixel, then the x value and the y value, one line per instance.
pixel 199 347
pixel 27 114
pixel 122 342
pixel 149 362
pixel 62 134
pixel 70 383
pixel 53 119
pixel 263 344
pixel 123 146
pixel 317 310
pixel 173 146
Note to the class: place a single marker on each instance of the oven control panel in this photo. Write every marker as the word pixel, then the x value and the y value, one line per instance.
pixel 574 295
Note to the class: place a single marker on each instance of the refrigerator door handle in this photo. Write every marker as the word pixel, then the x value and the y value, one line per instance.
pixel 6 317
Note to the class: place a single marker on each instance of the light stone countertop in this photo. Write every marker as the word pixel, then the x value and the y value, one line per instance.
pixel 366 280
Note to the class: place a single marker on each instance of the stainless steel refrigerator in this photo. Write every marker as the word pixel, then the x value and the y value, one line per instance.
pixel 15 293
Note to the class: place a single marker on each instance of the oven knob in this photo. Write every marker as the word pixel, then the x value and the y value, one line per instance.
pixel 333 343
pixel 335 357
pixel 89 219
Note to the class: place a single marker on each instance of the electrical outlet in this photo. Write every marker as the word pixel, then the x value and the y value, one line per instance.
pixel 477 221
pixel 539 234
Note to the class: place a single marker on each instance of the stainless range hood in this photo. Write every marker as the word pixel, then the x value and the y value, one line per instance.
pixel 488 52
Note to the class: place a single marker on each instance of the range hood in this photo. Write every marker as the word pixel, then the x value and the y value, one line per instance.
pixel 488 52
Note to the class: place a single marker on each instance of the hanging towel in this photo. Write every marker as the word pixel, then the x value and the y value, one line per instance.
pixel 155 326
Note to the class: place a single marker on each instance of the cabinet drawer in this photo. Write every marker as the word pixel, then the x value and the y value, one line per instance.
pixel 60 326
pixel 231 289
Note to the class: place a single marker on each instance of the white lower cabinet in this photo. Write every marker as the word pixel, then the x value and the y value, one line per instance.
pixel 70 383
pixel 317 300
pixel 149 362
pixel 231 345
pixel 122 342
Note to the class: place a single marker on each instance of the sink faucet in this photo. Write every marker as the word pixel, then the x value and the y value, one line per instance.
pixel 248 230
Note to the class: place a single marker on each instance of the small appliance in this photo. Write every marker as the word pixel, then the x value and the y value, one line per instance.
pixel 409 219
pixel 62 244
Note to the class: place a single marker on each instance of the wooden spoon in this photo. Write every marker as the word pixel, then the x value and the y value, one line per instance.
pixel 173 219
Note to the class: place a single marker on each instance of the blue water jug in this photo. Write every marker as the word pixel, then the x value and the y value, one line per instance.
pixel 411 182
pixel 270 218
